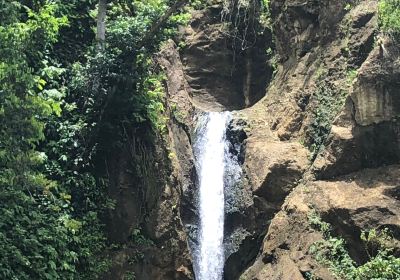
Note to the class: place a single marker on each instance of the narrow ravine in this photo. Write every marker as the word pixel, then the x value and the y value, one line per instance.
pixel 210 150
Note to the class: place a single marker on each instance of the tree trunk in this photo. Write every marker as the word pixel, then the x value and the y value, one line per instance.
pixel 101 24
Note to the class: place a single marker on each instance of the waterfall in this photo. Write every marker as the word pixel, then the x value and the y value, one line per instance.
pixel 211 160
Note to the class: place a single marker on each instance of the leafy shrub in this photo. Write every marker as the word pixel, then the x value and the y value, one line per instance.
pixel 329 102
pixel 129 276
pixel 389 17
pixel 332 252
pixel 139 239
pixel 317 223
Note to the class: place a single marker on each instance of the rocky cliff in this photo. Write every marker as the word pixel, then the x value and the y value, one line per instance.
pixel 320 133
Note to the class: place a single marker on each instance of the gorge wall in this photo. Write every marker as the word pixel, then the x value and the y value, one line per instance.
pixel 334 70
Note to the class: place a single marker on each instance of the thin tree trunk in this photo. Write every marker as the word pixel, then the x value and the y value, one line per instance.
pixel 101 24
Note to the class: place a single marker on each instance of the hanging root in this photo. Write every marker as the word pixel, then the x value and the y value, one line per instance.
pixel 241 17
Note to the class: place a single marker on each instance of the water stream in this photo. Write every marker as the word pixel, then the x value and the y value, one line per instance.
pixel 211 161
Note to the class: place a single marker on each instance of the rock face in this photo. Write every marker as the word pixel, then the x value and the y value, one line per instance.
pixel 222 73
pixel 145 224
pixel 366 134
pixel 376 89
pixel 358 201
pixel 149 180
pixel 318 50
pixel 322 48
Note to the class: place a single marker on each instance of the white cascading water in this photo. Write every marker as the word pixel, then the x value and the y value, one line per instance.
pixel 210 149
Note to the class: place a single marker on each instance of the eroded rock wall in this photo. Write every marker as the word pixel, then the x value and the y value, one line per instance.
pixel 223 71
pixel 355 202
pixel 352 180
pixel 320 44
pixel 149 177
pixel 145 225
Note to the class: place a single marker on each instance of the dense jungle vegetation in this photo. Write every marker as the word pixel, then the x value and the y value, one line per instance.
pixel 65 95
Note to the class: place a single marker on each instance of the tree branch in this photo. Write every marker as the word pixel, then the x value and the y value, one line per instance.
pixel 101 24
pixel 157 25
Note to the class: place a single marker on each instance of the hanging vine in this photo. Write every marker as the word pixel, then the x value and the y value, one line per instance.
pixel 244 19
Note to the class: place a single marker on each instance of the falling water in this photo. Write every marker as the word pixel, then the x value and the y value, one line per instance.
pixel 211 149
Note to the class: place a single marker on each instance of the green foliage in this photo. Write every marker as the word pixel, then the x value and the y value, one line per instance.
pixel 129 276
pixel 310 276
pixel 139 243
pixel 114 89
pixel 351 4
pixel 273 60
pixel 136 257
pixel 332 252
pixel 139 239
pixel 86 195
pixel 121 87
pixel 389 17
pixel 76 38
pixel 375 240
pixel 58 108
pixel 351 76
pixel 178 114
pixel 199 4
pixel 329 102
pixel 265 17
pixel 383 266
pixel 317 223
pixel 348 7
pixel 155 108
pixel 37 232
